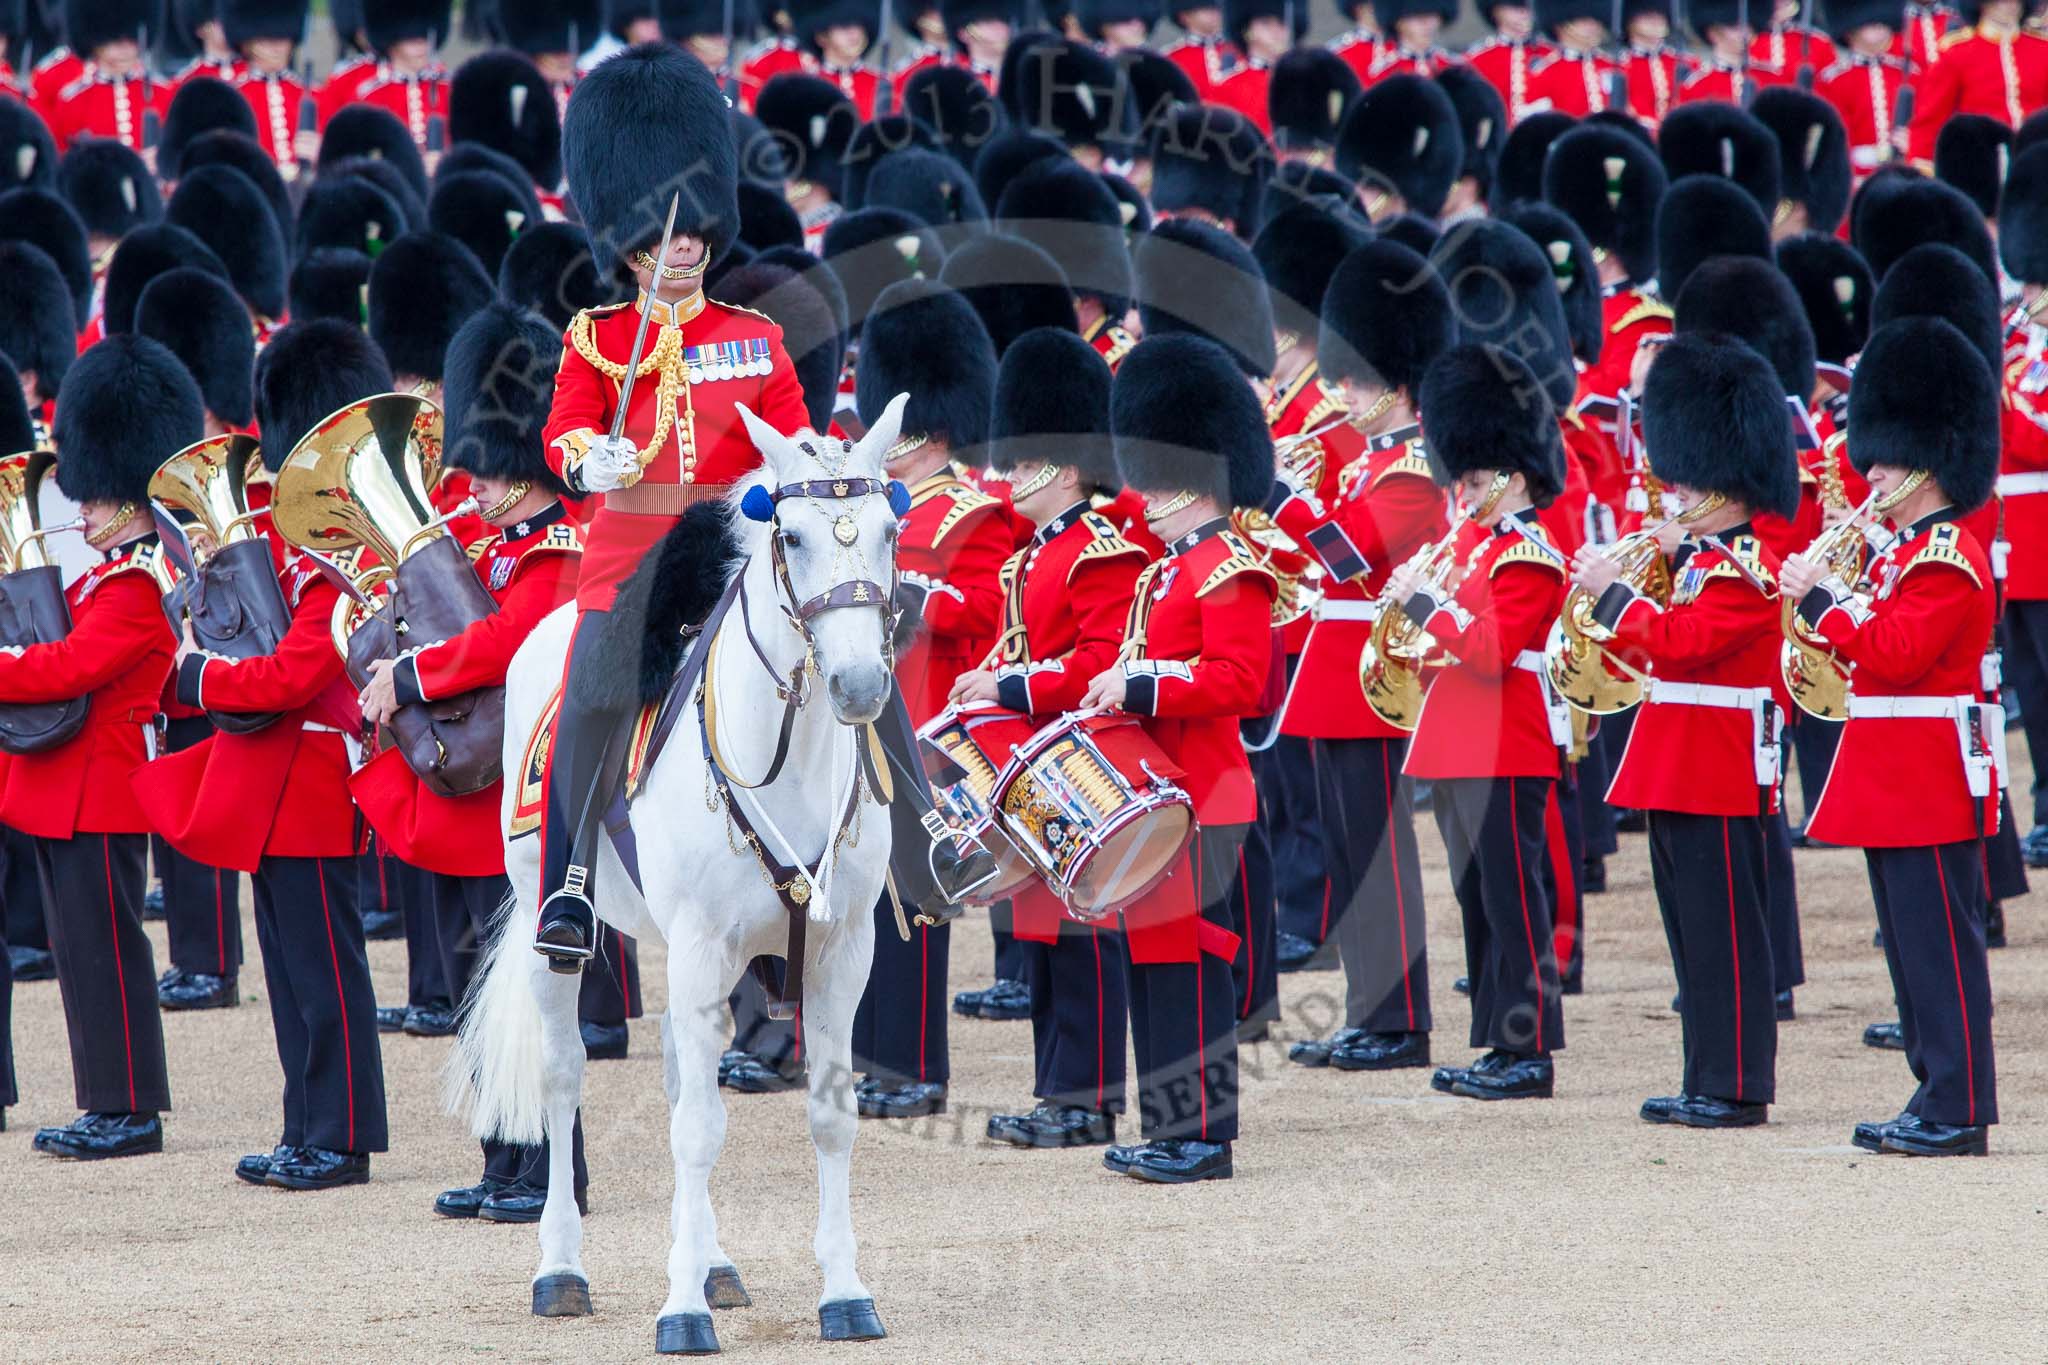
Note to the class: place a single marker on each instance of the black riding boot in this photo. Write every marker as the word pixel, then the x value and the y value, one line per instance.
pixel 575 812
pixel 938 871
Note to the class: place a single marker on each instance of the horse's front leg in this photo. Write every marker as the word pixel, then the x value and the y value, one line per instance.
pixel 698 980
pixel 560 1288
pixel 832 990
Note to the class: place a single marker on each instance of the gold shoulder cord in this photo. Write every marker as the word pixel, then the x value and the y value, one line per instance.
pixel 1140 616
pixel 667 364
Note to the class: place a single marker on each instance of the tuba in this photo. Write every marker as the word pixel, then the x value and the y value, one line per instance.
pixel 232 597
pixel 1814 674
pixel 355 493
pixel 1390 666
pixel 32 606
pixel 1581 668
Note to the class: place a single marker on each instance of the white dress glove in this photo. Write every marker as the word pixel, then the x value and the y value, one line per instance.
pixel 611 463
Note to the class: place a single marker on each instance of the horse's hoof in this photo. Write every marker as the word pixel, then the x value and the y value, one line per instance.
pixel 561 1296
pixel 850 1320
pixel 722 1288
pixel 685 1334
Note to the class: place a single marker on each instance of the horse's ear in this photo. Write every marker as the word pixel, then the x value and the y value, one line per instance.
pixel 772 444
pixel 886 429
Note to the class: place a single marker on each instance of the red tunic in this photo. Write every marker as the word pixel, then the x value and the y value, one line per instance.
pixel 1865 92
pixel 2002 77
pixel 1207 62
pixel 276 100
pixel 530 570
pixel 119 652
pixel 1788 47
pixel 1110 341
pixel 102 106
pixel 1900 781
pixel 953 541
pixel 1919 42
pixel 53 71
pixel 1303 405
pixel 1629 315
pixel 346 83
pixel 702 360
pixel 1391 59
pixel 1654 75
pixel 1245 91
pixel 210 68
pixel 414 100
pixel 782 57
pixel 1506 64
pixel 1575 83
pixel 2023 465
pixel 1737 84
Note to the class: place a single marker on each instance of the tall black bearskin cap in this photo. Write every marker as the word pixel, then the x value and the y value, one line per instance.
pixel 128 405
pixel 91 24
pixel 1004 157
pixel 1012 286
pixel 766 219
pixel 368 130
pixel 2023 217
pixel 479 210
pixel 621 15
pixel 1552 15
pixel 958 14
pixel 1925 399
pixel 816 274
pixel 1484 408
pixel 645 125
pixel 385 177
pixel 467 157
pixel 28 154
pixel 548 269
pixel 1066 210
pixel 1295 181
pixel 18 433
pixel 109 187
pixel 1751 301
pixel 245 21
pixel 1813 152
pixel 762 159
pixel 219 206
pixel 1154 85
pixel 390 22
pixel 1209 158
pixel 1572 266
pixel 1069 91
pixel 1386 318
pixel 1834 289
pixel 36 326
pixel 810 333
pixel 1901 212
pixel 952 104
pixel 1711 138
pixel 1052 407
pixel 501 100
pixel 924 339
pixel 1093 15
pixel 1844 17
pixel 199 318
pixel 1392 12
pixel 1184 420
pixel 241 154
pixel 1402 135
pixel 814 125
pixel 501 367
pixel 201 105
pixel 870 249
pixel 1192 277
pixel 1132 207
pixel 1239 14
pixel 873 142
pixel 682 20
pixel 1612 186
pixel 43 220
pixel 1504 294
pixel 1973 152
pixel 928 185
pixel 1420 235
pixel 541 26
pixel 1701 15
pixel 306 372
pixel 346 212
pixel 1704 216
pixel 1523 154
pixel 423 287
pixel 1299 250
pixel 143 255
pixel 810 18
pixel 333 282
pixel 1714 420
pixel 1310 91
pixel 1010 85
pixel 1482 121
pixel 1935 280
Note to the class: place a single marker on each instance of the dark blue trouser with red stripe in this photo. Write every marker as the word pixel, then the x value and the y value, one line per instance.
pixel 899 1031
pixel 317 974
pixel 1080 991
pixel 1183 1027
pixel 1711 874
pixel 1930 905
pixel 1493 830
pixel 1376 883
pixel 92 900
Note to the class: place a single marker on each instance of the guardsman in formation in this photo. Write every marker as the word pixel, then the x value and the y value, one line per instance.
pixel 1066 595
pixel 1993 66
pixel 1704 752
pixel 1489 732
pixel 1510 54
pixel 1654 66
pixel 265 32
pixel 127 404
pixel 1866 79
pixel 1726 71
pixel 113 94
pixel 1197 647
pixel 411 83
pixel 1578 77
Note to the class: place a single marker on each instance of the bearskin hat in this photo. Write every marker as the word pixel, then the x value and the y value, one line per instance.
pixel 621 15
pixel 1750 301
pixel 1572 265
pixel 219 206
pixel 1295 181
pixel 958 14
pixel 1154 86
pixel 1704 216
pixel 924 339
pixel 346 213
pixel 1484 408
pixel 1844 17
pixel 245 21
pixel 109 187
pixel 387 23
pixel 1299 250
pixel 423 287
pixel 127 406
pixel 1925 399
pixel 494 399
pixel 1897 213
pixel 2023 217
pixel 307 372
pixel 204 324
pixel 817 348
pixel 1004 157
pixel 549 270
pixel 1420 235
pixel 1702 15
pixel 1067 211
pixel 872 142
pixel 1213 159
pixel 371 131
pixel 1094 15
pixel 1402 137
pixel 1306 99
pixel 1504 295
pixel 1385 318
pixel 1071 92
pixel 1712 138
pixel 1519 176
pixel 1482 121
pixel 762 159
pixel 333 282
pixel 816 274
pixel 501 100
pixel 1552 15
pixel 930 186
pixel 28 154
pixel 1973 152
pixel 18 433
pixel 541 26
pixel 387 178
pixel 467 157
pixel 90 25
pixel 766 219
pixel 814 124
pixel 41 219
pixel 143 255
pixel 201 105
pixel 810 18
pixel 241 154
pixel 952 104
pixel 1193 277
pixel 1239 14
pixel 1834 289
pixel 1052 407
pixel 682 20
pixel 1612 186
pixel 870 249
pixel 1012 285
pixel 36 326
pixel 1392 12
pixel 480 211
pixel 1184 420
pixel 1937 281
pixel 1813 152
pixel 1714 420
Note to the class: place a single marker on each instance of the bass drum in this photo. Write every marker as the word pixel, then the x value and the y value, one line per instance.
pixel 966 749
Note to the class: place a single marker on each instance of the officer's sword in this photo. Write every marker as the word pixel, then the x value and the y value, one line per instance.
pixel 646 314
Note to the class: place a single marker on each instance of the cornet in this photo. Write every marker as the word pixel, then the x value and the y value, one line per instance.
pixel 1390 666
pixel 1582 670
pixel 1814 674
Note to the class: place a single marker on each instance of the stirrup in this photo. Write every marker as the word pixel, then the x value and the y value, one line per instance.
pixel 970 848
pixel 568 958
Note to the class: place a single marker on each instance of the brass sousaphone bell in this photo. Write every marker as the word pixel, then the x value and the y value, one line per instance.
pixel 32 606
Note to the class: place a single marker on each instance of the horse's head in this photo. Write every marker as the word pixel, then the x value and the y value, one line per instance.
pixel 831 516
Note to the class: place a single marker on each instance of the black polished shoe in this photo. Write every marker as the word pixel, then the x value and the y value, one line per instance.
pixel 168 975
pixel 1007 1000
pixel 1511 1077
pixel 256 1168
pixel 1293 953
pixel 1870 1136
pixel 1381 1052
pixel 1054 1126
pixel 199 991
pixel 522 1204
pixel 1661 1108
pixel 752 1076
pixel 317 1168
pixel 428 1021
pixel 1890 1035
pixel 98 1137
pixel 390 1018
pixel 1462 985
pixel 959 869
pixel 604 1042
pixel 464 1201
pixel 967 1004
pixel 384 924
pixel 1180 1161
pixel 1593 877
pixel 911 1100
pixel 568 927
pixel 1316 1051
pixel 1118 1156
pixel 2034 848
pixel 1994 925
pixel 153 902
pixel 31 964
pixel 1445 1079
pixel 1918 1137
pixel 1705 1111
pixel 1632 822
pixel 1786 1008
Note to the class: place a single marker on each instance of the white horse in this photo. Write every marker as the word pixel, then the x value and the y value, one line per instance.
pixel 520 1062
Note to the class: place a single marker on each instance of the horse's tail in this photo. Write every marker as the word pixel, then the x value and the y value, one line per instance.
pixel 496 1069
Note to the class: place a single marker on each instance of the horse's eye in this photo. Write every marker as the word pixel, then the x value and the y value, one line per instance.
pixel 792 540
pixel 889 536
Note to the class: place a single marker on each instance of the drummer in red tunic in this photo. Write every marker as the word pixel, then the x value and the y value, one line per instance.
pixel 1924 415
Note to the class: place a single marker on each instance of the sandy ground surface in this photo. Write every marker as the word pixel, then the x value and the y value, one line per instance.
pixel 1369 1218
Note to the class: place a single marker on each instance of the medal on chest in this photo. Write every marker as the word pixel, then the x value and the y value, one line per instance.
pixel 1165 583
pixel 1687 588
pixel 501 571
pixel 1889 579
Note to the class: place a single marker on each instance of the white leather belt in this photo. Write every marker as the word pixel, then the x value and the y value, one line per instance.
pixel 1348 609
pixel 1905 708
pixel 323 729
pixel 1706 694
pixel 1531 659
pixel 2013 485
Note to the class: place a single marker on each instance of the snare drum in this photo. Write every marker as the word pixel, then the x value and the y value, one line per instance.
pixel 1091 800
pixel 974 742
